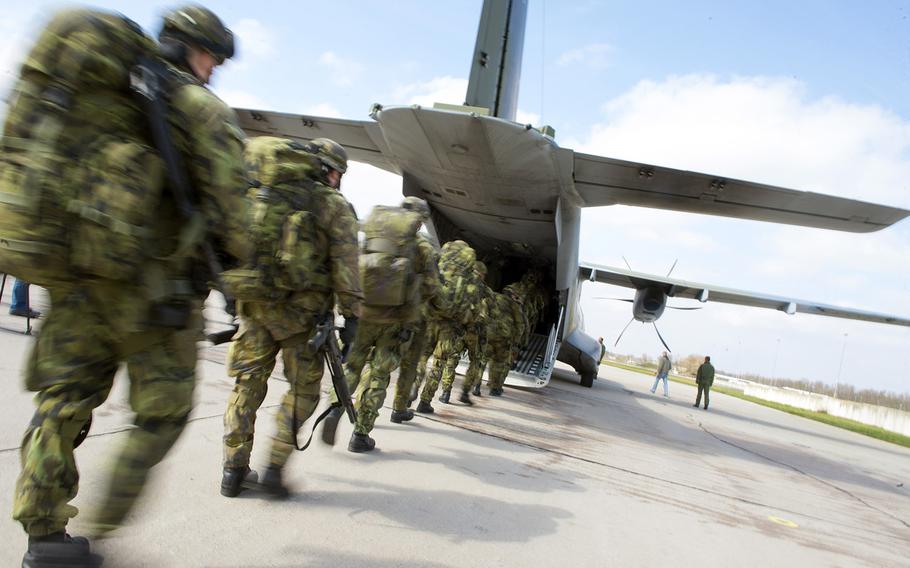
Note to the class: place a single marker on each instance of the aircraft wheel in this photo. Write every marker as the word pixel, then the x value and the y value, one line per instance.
pixel 587 379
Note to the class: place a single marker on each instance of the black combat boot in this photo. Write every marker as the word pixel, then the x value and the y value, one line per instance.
pixel 236 479
pixel 59 550
pixel 330 425
pixel 424 408
pixel 271 483
pixel 444 397
pixel 361 443
pixel 476 390
pixel 496 392
pixel 399 416
pixel 465 398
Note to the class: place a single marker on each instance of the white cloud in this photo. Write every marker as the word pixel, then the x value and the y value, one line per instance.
pixel 327 110
pixel 343 72
pixel 241 99
pixel 594 56
pixel 761 129
pixel 445 89
pixel 366 186
pixel 254 40
pixel 523 117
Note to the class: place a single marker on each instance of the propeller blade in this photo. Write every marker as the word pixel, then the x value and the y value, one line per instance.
pixel 679 308
pixel 661 337
pixel 617 299
pixel 672 267
pixel 627 263
pixel 623 331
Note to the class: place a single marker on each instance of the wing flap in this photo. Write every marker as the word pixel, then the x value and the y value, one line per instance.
pixel 707 292
pixel 606 181
pixel 362 139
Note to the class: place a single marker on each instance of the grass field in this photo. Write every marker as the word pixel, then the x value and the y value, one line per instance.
pixel 852 425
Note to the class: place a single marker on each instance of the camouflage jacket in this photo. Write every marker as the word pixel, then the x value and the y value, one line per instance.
pixel 336 236
pixel 430 288
pixel 206 133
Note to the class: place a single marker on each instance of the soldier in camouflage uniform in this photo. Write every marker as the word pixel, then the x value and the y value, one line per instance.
pixel 412 355
pixel 462 291
pixel 151 323
pixel 384 329
pixel 287 323
pixel 505 318
pixel 476 339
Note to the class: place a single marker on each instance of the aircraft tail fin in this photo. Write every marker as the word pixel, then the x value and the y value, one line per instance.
pixel 496 66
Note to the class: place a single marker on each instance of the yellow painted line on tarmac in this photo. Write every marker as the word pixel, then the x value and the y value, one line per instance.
pixel 783 522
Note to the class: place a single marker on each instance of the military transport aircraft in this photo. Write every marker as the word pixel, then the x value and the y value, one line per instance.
pixel 515 195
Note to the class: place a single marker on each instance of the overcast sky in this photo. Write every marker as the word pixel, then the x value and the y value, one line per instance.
pixel 810 95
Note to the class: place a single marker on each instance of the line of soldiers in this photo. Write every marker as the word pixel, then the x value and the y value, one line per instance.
pixel 270 211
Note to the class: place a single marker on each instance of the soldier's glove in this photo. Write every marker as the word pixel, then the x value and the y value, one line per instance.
pixel 347 335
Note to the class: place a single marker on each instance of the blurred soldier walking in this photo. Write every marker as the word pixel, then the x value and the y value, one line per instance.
pixel 420 334
pixel 507 325
pixel 305 237
pixel 77 147
pixel 476 339
pixel 397 270
pixel 461 292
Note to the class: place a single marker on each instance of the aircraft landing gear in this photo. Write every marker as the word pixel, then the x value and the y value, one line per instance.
pixel 587 378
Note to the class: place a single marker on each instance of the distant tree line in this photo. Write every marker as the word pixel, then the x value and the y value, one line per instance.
pixel 689 364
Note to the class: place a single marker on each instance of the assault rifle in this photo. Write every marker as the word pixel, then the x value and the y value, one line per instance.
pixel 147 79
pixel 326 341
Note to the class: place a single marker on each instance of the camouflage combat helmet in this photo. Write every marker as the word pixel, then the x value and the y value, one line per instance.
pixel 330 153
pixel 417 205
pixel 195 25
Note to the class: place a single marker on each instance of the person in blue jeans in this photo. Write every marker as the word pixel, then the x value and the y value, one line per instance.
pixel 663 370
pixel 20 307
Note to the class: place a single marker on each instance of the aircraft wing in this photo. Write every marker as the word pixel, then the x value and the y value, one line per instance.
pixel 362 139
pixel 605 181
pixel 706 292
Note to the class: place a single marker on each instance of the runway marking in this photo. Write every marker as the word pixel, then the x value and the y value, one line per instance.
pixel 783 522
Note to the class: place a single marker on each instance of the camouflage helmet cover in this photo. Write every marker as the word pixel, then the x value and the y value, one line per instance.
pixel 195 25
pixel 330 153
pixel 416 205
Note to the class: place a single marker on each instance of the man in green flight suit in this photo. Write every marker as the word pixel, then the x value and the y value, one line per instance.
pixel 704 378
pixel 318 271
pixel 149 320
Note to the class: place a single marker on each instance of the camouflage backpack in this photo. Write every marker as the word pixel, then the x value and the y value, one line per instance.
pixel 460 287
pixel 79 184
pixel 388 263
pixel 282 227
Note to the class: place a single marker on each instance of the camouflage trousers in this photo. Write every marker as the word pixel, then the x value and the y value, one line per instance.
pixel 88 332
pixel 251 360
pixel 410 359
pixel 431 338
pixel 381 345
pixel 500 355
pixel 476 347
pixel 445 358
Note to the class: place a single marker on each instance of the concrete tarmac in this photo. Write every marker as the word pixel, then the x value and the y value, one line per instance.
pixel 563 476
